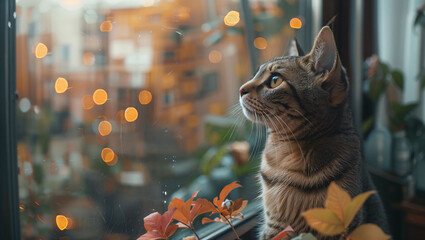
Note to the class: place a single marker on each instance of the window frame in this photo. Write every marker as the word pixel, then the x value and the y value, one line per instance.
pixel 9 202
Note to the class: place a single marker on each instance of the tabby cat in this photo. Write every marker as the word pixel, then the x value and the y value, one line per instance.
pixel 303 102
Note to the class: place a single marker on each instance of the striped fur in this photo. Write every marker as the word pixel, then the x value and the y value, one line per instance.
pixel 311 139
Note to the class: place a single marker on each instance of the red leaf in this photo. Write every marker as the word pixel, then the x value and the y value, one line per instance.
pixel 283 234
pixel 150 236
pixel 152 221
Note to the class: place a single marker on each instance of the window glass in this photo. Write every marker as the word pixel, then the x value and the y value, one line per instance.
pixel 124 105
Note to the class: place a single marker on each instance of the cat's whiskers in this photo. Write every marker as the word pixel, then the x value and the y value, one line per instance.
pixel 295 138
pixel 276 130
pixel 302 115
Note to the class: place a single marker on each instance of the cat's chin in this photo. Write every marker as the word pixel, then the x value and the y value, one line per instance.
pixel 250 114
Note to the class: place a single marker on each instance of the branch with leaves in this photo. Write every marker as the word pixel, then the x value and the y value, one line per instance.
pixel 338 214
pixel 184 214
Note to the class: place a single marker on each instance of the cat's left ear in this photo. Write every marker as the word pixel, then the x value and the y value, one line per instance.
pixel 323 59
pixel 294 49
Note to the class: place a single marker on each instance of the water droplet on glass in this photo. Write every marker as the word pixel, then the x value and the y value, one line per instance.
pixel 178 186
pixel 165 193
pixel 165 201
pixel 165 130
pixel 9 24
pixel 14 15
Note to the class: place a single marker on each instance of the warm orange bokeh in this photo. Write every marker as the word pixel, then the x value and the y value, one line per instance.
pixel 145 97
pixel 100 96
pixel 107 155
pixel 232 18
pixel 87 102
pixel 113 162
pixel 106 26
pixel 131 114
pixel 88 59
pixel 295 23
pixel 260 43
pixel 61 222
pixel 41 50
pixel 214 56
pixel 61 85
pixel 105 128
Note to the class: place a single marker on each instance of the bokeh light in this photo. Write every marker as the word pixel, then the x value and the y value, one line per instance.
pixel 61 222
pixel 87 102
pixel 61 85
pixel 100 96
pixel 260 43
pixel 41 50
pixel 88 59
pixel 131 114
pixel 295 23
pixel 107 155
pixel 106 26
pixel 24 105
pixel 113 162
pixel 214 56
pixel 104 128
pixel 232 18
pixel 145 97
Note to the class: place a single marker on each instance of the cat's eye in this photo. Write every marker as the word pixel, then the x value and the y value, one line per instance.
pixel 275 81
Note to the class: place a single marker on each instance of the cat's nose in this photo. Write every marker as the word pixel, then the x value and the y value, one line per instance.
pixel 243 91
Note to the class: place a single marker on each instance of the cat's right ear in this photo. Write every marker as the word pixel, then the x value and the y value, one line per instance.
pixel 324 61
pixel 294 49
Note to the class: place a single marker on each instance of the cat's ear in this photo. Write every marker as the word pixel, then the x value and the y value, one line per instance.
pixel 294 49
pixel 323 59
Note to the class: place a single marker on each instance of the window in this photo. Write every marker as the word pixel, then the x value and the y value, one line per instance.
pixel 124 105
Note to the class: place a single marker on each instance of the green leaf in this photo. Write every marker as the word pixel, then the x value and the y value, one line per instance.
pixel 367 124
pixel 397 78
pixel 423 81
pixel 420 18
pixel 379 82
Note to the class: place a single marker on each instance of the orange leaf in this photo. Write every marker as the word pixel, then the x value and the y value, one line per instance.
pixel 354 206
pixel 337 200
pixel 239 206
pixel 368 231
pixel 225 191
pixel 207 220
pixel 324 220
pixel 205 206
pixel 171 229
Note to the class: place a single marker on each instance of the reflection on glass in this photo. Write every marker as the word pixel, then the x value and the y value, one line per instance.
pixel 125 105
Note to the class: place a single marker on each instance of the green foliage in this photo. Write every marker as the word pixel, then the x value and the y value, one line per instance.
pixel 419 19
pixel 400 113
pixel 379 82
pixel 397 78
pixel 367 124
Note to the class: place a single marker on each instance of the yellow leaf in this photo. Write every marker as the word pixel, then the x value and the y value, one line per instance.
pixel 324 220
pixel 354 206
pixel 337 200
pixel 369 231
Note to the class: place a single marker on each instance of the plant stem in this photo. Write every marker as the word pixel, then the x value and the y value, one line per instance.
pixel 231 225
pixel 192 229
